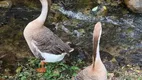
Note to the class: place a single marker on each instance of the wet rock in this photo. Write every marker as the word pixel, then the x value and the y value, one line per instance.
pixel 121 61
pixel 135 58
pixel 12 24
pixel 134 5
pixel 121 33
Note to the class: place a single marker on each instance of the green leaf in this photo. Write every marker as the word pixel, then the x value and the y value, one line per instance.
pixel 23 78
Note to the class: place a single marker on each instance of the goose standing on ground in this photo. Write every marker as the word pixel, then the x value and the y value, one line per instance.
pixel 43 43
pixel 97 70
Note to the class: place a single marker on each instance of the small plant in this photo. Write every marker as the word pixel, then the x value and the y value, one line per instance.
pixel 55 71
pixel 63 71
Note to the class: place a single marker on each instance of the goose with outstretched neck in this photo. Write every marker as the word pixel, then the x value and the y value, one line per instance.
pixel 43 43
pixel 97 70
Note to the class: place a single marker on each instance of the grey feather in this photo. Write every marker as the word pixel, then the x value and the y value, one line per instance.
pixel 46 41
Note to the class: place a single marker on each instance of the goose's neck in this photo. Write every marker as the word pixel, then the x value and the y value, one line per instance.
pixel 96 53
pixel 44 11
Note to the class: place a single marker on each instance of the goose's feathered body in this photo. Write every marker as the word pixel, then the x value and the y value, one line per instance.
pixel 43 43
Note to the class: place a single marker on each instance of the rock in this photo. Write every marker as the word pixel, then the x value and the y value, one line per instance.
pixel 135 57
pixel 6 4
pixel 134 5
pixel 7 62
pixel 77 4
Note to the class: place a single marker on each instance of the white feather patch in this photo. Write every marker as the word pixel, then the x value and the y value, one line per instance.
pixel 49 57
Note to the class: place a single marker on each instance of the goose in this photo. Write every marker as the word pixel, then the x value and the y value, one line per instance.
pixel 97 70
pixel 43 43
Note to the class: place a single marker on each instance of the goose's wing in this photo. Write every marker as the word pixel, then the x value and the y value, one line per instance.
pixel 46 41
